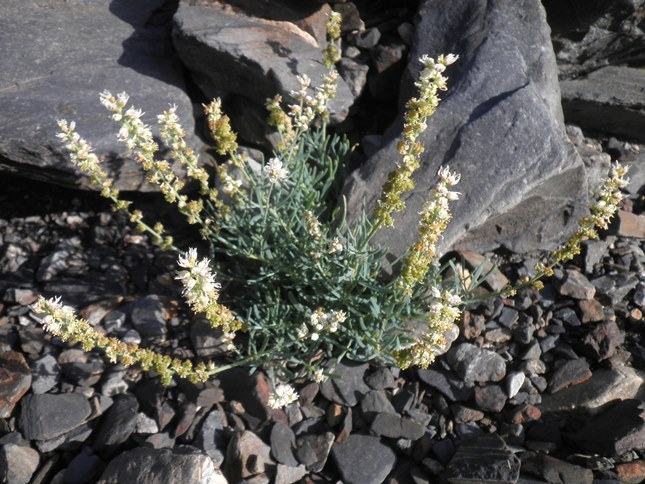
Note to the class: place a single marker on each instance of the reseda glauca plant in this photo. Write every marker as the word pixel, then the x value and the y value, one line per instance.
pixel 312 285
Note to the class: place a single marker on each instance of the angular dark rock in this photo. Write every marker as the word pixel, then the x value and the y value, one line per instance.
pixel 396 427
pixel 313 450
pixel 211 437
pixel 554 470
pixel 615 431
pixel 247 55
pixel 84 468
pixel 375 402
pixel 604 386
pixel 450 386
pixel 354 74
pixel 148 316
pixel 181 464
pixel 380 379
pixel 475 364
pixel 45 374
pixel 603 340
pixel 501 79
pixel 570 373
pixel 376 458
pixel 63 72
pixel 490 398
pixel 462 414
pixel 47 416
pixel 611 289
pixel 283 445
pixel 486 459
pixel 576 285
pixel 208 342
pixel 15 380
pixel 118 423
pixel 348 387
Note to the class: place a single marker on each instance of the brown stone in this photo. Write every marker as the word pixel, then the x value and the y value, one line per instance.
pixel 15 380
pixel 246 455
pixel 631 225
pixel 631 472
pixel 591 311
pixel 525 413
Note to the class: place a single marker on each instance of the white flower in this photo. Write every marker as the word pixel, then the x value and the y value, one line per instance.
pixel 230 185
pixel 448 59
pixel 314 336
pixel 303 331
pixel 200 288
pixel 282 396
pixel 335 246
pixel 318 376
pixel 448 177
pixel 275 171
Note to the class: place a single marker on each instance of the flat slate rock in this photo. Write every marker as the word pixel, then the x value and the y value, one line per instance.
pixel 58 57
pixel 376 459
pixel 183 464
pixel 347 386
pixel 604 386
pixel 474 364
pixel 570 373
pixel 396 427
pixel 554 470
pixel 607 100
pixel 230 51
pixel 615 431
pixel 283 445
pixel 118 423
pixel 486 459
pixel 447 384
pixel 44 417
pixel 523 186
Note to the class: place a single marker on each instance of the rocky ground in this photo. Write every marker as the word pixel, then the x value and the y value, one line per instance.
pixel 543 387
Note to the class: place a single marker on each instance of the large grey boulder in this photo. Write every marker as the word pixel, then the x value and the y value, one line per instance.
pixel 56 59
pixel 228 51
pixel 500 126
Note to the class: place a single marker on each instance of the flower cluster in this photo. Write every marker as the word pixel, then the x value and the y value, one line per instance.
pixel 602 210
pixel 320 322
pixel 399 181
pixel 331 54
pixel 282 396
pixel 443 313
pixel 62 321
pixel 82 156
pixel 175 137
pixel 280 121
pixel 137 136
pixel 275 171
pixel 313 224
pixel 310 106
pixel 433 222
pixel 202 292
pixel 220 128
